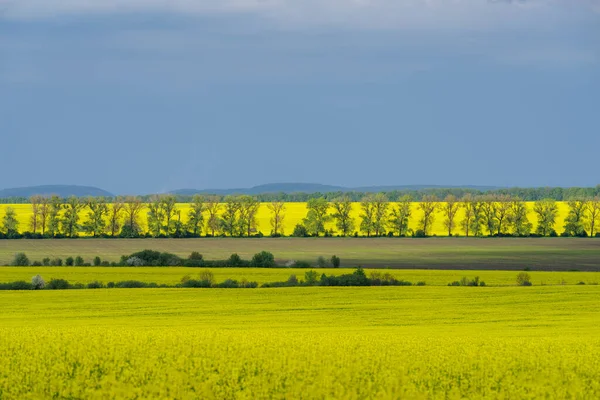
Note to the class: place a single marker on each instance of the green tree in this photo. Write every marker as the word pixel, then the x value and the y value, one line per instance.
pixel 342 209
pixel 400 216
pixel 367 215
pixel 44 207
pixel 10 224
pixel 450 207
pixel 546 212
pixel 70 222
pixel 517 218
pixel 156 216
pixel 576 219
pixel 380 213
pixel 95 224
pixel 35 213
pixel 247 217
pixel 489 213
pixel 317 216
pixel 213 206
pixel 115 215
pixel 54 215
pixel 428 205
pixel 503 209
pixel 133 206
pixel 195 216
pixel 168 205
pixel 593 217
pixel 230 217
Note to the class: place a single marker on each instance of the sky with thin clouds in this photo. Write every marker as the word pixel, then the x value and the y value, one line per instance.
pixel 141 96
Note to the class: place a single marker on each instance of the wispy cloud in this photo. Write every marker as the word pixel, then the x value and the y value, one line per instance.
pixel 367 13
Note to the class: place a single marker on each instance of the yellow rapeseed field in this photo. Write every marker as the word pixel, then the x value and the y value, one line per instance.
pixel 302 343
pixel 296 212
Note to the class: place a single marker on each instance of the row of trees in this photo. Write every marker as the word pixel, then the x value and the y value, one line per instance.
pixel 486 215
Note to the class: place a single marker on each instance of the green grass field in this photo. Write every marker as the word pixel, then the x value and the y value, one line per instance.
pixel 305 343
pixel 173 275
pixel 432 253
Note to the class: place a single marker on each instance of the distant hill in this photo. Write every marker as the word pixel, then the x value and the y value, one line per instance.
pixel 59 190
pixel 318 188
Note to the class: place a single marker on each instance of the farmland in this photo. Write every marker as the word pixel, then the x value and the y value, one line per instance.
pixel 415 342
pixel 431 253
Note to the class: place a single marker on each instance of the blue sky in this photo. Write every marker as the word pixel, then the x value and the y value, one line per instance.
pixel 147 96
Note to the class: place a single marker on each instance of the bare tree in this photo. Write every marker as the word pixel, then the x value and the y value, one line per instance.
pixel 44 207
pixel 400 215
pixel 342 209
pixel 593 217
pixel 35 216
pixel 429 205
pixel 450 207
pixel 213 206
pixel 277 209
pixel 115 214
pixel 469 204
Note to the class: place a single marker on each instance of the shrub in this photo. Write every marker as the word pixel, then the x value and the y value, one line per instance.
pixel 36 264
pixel 194 283
pixel 110 285
pixel 228 284
pixel 301 264
pixel 235 260
pixel 292 281
pixel 135 262
pixel 321 263
pixel 420 283
pixel 97 261
pixel 523 279
pixel 95 285
pixel 46 261
pixel 79 261
pixel 57 262
pixel 310 277
pixel 263 259
pixel 155 258
pixel 335 261
pixel 57 284
pixel 300 231
pixel 18 285
pixel 69 261
pixel 20 260
pixel 208 276
pixel 419 233
pixel 130 284
pixel 37 282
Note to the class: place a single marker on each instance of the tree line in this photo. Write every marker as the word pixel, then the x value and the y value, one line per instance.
pixel 525 194
pixel 236 216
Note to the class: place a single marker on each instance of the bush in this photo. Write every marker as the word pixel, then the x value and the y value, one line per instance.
pixel 36 264
pixel 420 283
pixel 335 261
pixel 235 260
pixel 311 277
pixel 208 276
pixel 58 284
pixel 46 262
pixel 301 264
pixel 292 281
pixel 95 285
pixel 20 260
pixel 18 285
pixel 523 279
pixel 37 282
pixel 154 258
pixel 130 284
pixel 97 261
pixel 419 233
pixel 79 261
pixel 300 231
pixel 263 259
pixel 110 285
pixel 69 261
pixel 194 283
pixel 57 262
pixel 134 262
pixel 321 263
